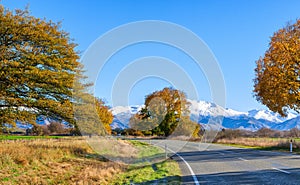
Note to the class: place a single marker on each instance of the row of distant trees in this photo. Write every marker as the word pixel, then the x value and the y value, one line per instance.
pixel 263 132
pixel 54 128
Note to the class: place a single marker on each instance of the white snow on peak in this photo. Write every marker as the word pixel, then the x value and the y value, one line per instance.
pixel 270 116
pixel 126 109
pixel 264 114
pixel 235 113
pixel 291 116
pixel 211 109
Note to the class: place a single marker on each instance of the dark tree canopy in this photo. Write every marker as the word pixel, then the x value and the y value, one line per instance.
pixel 277 82
pixel 38 64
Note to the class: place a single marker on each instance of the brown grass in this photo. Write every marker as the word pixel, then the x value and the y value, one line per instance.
pixel 61 161
pixel 113 148
pixel 261 142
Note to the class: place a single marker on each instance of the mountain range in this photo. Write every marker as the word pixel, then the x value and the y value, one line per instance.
pixel 206 113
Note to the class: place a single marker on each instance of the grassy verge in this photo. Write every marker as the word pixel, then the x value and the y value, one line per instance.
pixel 17 137
pixel 269 144
pixel 145 149
pixel 165 172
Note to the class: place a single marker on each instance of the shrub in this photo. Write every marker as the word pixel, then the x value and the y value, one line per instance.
pixel 56 128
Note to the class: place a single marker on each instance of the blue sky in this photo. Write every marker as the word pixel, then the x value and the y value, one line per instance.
pixel 237 32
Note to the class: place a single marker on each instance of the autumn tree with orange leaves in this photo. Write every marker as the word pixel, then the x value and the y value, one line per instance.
pixel 105 114
pixel 38 64
pixel 164 112
pixel 41 75
pixel 277 82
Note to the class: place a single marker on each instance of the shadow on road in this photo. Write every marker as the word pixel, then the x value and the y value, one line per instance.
pixel 227 155
pixel 269 177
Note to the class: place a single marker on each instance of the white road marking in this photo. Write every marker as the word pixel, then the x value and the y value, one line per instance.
pixel 242 159
pixel 189 167
pixel 221 153
pixel 283 171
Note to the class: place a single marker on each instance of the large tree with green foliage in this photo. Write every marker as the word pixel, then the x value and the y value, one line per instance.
pixel 277 82
pixel 162 112
pixel 38 67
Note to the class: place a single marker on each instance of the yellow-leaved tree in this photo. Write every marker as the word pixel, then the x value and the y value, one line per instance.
pixel 105 115
pixel 277 82
pixel 38 64
pixel 41 75
pixel 164 112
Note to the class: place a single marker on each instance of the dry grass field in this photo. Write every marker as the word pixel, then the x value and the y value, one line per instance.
pixel 71 160
pixel 53 161
pixel 282 144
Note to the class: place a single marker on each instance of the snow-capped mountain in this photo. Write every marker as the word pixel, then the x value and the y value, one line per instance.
pixel 270 116
pixel 209 113
pixel 289 124
pixel 123 114
pixel 204 108
pixel 244 122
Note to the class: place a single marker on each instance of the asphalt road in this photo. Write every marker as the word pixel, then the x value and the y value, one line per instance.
pixel 219 164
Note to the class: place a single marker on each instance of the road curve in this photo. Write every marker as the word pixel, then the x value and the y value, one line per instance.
pixel 218 164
